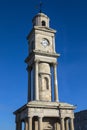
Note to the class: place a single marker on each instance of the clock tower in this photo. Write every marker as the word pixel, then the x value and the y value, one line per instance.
pixel 43 110
pixel 42 60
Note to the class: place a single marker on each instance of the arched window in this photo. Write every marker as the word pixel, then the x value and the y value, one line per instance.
pixel 43 23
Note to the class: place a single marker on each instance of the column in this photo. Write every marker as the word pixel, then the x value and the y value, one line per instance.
pixel 55 82
pixel 67 124
pixel 62 124
pixel 71 124
pixel 58 126
pixel 29 83
pixel 16 125
pixel 19 125
pixel 40 126
pixel 29 123
pixel 36 81
pixel 53 39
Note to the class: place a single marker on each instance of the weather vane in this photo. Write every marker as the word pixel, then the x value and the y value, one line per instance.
pixel 41 6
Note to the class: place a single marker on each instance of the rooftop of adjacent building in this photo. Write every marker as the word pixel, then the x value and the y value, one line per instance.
pixel 81 115
pixel 81 112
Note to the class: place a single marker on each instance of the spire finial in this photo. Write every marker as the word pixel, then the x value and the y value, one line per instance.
pixel 41 6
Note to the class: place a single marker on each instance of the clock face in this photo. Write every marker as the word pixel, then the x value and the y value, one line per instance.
pixel 45 42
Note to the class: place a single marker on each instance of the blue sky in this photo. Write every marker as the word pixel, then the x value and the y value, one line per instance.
pixel 69 18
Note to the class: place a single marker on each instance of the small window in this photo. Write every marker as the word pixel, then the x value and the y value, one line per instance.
pixel 43 23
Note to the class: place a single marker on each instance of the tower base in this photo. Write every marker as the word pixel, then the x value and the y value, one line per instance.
pixel 41 115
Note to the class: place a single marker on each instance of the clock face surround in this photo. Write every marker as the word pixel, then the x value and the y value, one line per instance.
pixel 45 42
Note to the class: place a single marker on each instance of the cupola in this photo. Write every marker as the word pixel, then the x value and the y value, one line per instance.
pixel 41 20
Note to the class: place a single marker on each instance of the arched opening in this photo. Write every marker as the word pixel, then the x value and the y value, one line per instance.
pixel 35 123
pixel 43 23
pixel 23 125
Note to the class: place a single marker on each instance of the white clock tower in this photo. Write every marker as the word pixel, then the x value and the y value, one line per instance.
pixel 43 110
pixel 42 59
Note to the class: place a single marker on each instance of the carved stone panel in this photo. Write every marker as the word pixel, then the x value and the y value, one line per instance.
pixel 67 113
pixel 43 112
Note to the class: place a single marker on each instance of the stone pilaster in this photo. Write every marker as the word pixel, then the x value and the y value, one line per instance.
pixel 55 82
